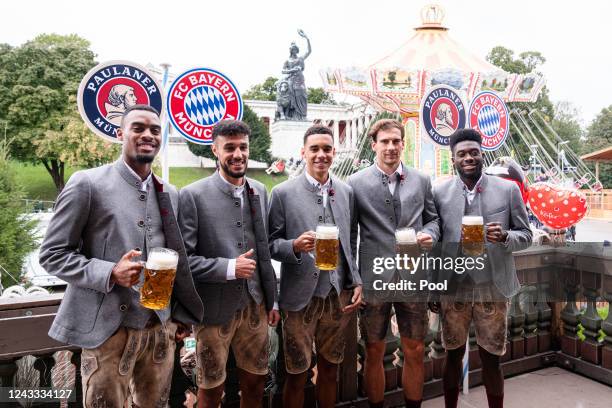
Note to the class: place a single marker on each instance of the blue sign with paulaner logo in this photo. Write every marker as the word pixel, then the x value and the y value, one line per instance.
pixel 110 88
pixel 442 112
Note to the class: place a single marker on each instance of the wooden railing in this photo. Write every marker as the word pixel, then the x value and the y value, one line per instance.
pixel 599 203
pixel 24 323
pixel 543 330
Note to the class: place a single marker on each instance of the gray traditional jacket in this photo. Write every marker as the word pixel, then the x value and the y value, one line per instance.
pixel 378 214
pixel 295 207
pixel 217 227
pixel 99 216
pixel 499 201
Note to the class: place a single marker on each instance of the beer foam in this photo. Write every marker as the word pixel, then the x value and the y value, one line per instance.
pixel 406 235
pixel 327 232
pixel 472 220
pixel 161 260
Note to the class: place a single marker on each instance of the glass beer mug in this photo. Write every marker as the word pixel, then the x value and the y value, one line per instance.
pixel 159 273
pixel 406 244
pixel 472 236
pixel 326 247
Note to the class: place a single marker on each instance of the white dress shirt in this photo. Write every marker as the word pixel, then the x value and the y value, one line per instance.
pixel 323 188
pixel 237 191
pixel 392 176
pixel 145 182
pixel 470 194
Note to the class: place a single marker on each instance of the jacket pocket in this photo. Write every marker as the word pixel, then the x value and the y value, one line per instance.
pixel 80 308
pixel 498 211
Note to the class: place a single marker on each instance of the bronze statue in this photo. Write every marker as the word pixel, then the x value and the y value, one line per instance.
pixel 291 90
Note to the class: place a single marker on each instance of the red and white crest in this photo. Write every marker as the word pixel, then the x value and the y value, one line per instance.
pixel 489 116
pixel 198 99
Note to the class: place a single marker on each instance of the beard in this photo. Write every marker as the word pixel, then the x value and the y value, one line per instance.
pixel 226 168
pixel 474 176
pixel 145 158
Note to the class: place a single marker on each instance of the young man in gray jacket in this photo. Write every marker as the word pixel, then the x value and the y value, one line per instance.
pixel 388 196
pixel 316 304
pixel 106 219
pixel 481 294
pixel 223 221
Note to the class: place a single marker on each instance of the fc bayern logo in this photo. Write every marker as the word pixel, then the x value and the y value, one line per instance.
pixel 198 99
pixel 442 112
pixel 489 116
pixel 108 89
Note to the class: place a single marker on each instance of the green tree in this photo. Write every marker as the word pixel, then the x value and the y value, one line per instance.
pixel 525 62
pixel 38 82
pixel 266 91
pixel 599 132
pixel 17 233
pixel 259 141
pixel 566 124
pixel 319 95
pixel 72 144
pixel 599 136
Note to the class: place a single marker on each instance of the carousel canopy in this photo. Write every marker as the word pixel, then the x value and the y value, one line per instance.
pixel 398 81
pixel 432 48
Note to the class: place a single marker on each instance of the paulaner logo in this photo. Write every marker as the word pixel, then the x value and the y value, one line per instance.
pixel 110 88
pixel 442 112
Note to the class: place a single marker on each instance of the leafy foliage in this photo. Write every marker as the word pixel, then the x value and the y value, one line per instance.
pixel 266 91
pixel 525 63
pixel 566 123
pixel 17 233
pixel 563 117
pixel 599 133
pixel 599 136
pixel 319 95
pixel 38 84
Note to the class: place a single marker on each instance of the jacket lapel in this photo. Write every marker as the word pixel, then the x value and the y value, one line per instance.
pixel 169 224
pixel 392 206
pixel 222 185
pixel 259 226
pixel 457 205
pixel 174 241
pixel 337 203
pixel 382 180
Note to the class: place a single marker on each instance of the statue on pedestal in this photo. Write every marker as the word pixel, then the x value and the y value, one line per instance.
pixel 291 99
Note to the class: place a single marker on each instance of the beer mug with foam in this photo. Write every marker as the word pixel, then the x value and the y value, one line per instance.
pixel 326 247
pixel 406 244
pixel 472 235
pixel 159 273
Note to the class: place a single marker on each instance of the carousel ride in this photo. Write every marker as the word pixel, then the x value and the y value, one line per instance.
pixel 405 84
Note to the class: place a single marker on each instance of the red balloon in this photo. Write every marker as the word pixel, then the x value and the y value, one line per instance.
pixel 555 206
